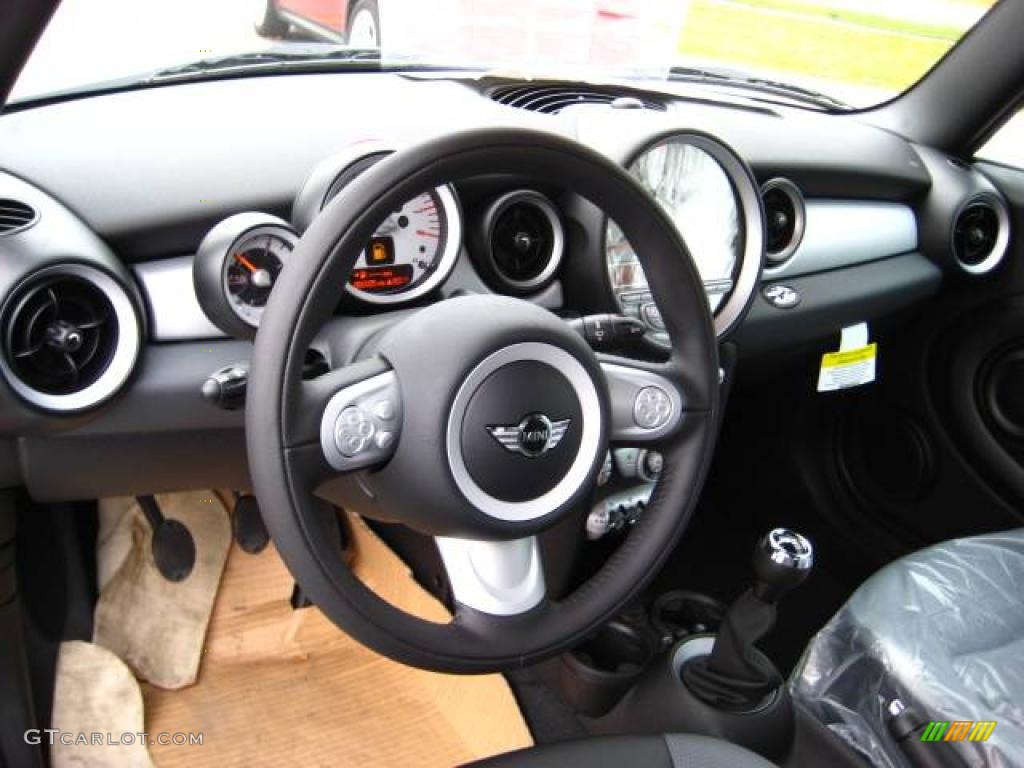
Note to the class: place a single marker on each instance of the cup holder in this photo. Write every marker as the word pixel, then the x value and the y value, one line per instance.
pixel 599 671
pixel 680 614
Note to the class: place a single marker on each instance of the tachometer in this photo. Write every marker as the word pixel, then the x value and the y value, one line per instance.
pixel 406 252
pixel 251 269
pixel 412 252
pixel 236 267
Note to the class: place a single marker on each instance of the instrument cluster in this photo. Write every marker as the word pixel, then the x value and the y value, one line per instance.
pixel 518 243
pixel 516 238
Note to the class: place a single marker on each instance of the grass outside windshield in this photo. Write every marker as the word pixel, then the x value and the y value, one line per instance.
pixel 860 51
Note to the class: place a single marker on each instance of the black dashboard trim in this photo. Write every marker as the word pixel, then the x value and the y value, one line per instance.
pixel 832 300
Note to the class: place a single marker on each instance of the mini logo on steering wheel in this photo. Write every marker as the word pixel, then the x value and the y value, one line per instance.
pixel 533 436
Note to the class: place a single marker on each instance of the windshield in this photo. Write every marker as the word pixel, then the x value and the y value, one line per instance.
pixel 858 52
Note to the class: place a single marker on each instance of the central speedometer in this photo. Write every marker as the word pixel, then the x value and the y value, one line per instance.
pixel 404 251
pixel 712 198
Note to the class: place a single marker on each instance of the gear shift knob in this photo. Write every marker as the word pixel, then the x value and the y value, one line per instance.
pixel 782 560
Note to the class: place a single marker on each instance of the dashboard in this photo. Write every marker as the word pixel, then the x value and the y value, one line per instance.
pixel 137 254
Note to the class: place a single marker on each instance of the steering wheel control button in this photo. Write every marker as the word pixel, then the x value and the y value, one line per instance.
pixel 384 410
pixel 357 430
pixel 350 445
pixel 652 408
pixel 781 296
pixel 645 405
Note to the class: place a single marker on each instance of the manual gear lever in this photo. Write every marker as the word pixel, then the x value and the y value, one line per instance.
pixel 782 560
pixel 736 676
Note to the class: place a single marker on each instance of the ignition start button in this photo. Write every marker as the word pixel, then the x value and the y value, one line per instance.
pixel 652 408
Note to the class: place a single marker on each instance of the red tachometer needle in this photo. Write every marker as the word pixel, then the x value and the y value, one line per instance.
pixel 246 263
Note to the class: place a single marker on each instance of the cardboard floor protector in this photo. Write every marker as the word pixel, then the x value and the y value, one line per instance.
pixel 95 693
pixel 155 626
pixel 284 687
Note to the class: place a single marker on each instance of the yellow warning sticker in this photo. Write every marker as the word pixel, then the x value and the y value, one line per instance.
pixel 848 368
pixel 832 359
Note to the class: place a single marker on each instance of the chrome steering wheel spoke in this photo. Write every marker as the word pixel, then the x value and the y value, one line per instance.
pixel 497 578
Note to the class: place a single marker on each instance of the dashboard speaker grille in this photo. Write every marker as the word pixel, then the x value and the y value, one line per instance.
pixel 15 215
pixel 551 99
pixel 975 234
pixel 60 334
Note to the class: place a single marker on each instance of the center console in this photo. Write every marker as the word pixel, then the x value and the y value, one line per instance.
pixel 694 666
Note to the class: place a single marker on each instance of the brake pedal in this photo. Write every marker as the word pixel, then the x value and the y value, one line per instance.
pixel 174 549
pixel 247 525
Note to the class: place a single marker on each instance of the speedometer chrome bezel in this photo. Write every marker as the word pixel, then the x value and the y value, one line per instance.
pixel 329 176
pixel 728 315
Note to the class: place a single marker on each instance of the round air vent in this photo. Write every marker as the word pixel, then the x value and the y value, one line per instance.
pixel 784 217
pixel 524 241
pixel 15 216
pixel 981 233
pixel 70 338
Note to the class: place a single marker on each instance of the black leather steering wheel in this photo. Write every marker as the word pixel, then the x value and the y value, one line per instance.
pixel 479 420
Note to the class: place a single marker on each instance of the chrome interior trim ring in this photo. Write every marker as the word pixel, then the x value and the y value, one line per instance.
pixel 1002 243
pixel 450 254
pixel 748 272
pixel 122 363
pixel 550 213
pixel 590 441
pixel 796 198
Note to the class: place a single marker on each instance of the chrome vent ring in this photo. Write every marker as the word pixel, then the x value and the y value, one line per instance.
pixel 71 336
pixel 784 218
pixel 981 234
pixel 524 241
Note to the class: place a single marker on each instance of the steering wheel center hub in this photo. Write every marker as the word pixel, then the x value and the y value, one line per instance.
pixel 515 402
pixel 524 431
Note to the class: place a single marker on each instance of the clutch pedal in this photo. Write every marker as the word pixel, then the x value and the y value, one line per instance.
pixel 174 549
